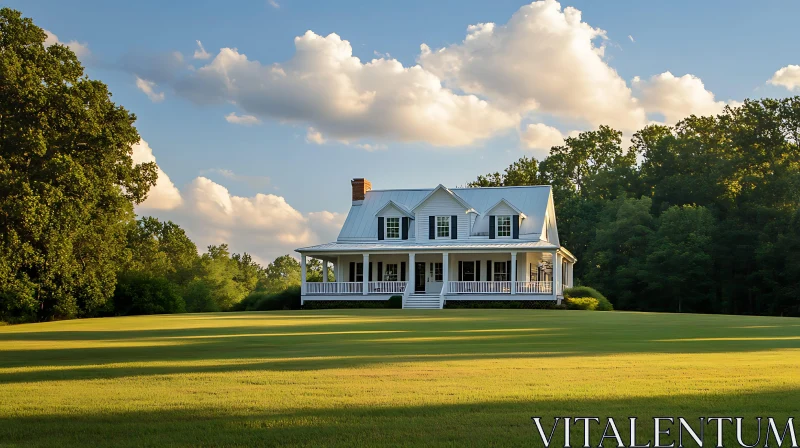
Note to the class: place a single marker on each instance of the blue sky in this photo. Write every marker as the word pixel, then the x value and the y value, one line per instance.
pixel 730 48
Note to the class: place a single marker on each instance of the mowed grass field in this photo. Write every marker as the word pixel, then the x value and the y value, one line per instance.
pixel 384 377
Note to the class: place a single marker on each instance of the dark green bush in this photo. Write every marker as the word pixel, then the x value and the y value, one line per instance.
pixel 343 304
pixel 585 291
pixel 505 304
pixel 143 293
pixel 288 299
pixel 395 302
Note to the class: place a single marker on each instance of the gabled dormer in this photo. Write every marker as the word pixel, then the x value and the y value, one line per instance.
pixel 504 220
pixel 441 215
pixel 394 222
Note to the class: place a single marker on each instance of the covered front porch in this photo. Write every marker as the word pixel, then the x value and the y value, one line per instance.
pixel 454 275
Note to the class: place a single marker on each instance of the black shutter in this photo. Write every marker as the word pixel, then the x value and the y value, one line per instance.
pixel 352 271
pixel 380 272
pixel 459 271
pixel 515 227
pixel 508 270
pixel 453 227
pixel 402 271
pixel 477 270
pixel 431 227
pixel 405 227
pixel 489 270
pixel 369 279
pixel 380 227
pixel 491 227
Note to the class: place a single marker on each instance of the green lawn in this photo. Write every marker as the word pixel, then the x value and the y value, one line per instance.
pixel 382 377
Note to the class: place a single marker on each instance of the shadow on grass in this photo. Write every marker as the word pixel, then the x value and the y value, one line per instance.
pixel 460 424
pixel 282 341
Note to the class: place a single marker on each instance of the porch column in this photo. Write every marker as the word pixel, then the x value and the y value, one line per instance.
pixel 412 272
pixel 556 275
pixel 513 272
pixel 365 275
pixel 324 271
pixel 337 272
pixel 445 273
pixel 302 274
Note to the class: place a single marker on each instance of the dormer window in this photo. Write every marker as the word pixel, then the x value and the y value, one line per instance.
pixel 442 227
pixel 504 226
pixel 392 228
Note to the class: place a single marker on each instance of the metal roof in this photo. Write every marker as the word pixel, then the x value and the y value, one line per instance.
pixel 530 200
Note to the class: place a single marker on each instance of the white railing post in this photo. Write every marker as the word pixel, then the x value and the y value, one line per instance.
pixel 412 269
pixel 513 273
pixel 302 274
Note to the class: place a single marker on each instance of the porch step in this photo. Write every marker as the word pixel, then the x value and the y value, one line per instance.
pixel 422 302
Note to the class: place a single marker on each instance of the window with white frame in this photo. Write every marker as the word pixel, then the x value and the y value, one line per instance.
pixel 390 274
pixel 504 226
pixel 442 227
pixel 392 228
pixel 437 269
pixel 500 271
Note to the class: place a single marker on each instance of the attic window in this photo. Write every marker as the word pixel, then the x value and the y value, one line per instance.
pixel 442 227
pixel 504 226
pixel 392 228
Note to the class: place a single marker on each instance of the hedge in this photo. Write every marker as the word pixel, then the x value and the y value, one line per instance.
pixel 584 291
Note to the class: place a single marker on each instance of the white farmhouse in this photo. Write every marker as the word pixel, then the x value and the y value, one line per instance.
pixel 440 244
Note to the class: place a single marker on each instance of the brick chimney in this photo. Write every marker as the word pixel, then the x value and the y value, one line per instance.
pixel 360 188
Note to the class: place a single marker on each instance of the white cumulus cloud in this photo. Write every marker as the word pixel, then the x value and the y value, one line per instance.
pixel 164 195
pixel 544 59
pixel 676 97
pixel 246 120
pixel 314 136
pixel 200 52
pixel 80 49
pixel 544 62
pixel 324 86
pixel 788 77
pixel 541 136
pixel 263 225
pixel 148 87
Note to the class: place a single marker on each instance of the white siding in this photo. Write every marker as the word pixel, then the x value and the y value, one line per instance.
pixel 441 204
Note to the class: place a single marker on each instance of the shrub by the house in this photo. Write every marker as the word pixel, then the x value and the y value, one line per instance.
pixel 582 303
pixel 584 291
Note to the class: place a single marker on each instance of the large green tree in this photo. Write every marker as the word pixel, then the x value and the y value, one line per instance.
pixel 67 180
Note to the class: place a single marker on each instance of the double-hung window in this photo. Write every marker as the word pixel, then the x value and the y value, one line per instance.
pixel 436 271
pixel 390 275
pixel 442 227
pixel 500 274
pixel 504 226
pixel 392 228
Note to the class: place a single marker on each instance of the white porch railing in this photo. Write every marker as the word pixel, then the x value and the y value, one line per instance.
pixel 355 287
pixel 334 287
pixel 535 287
pixel 386 287
pixel 499 287
pixel 479 287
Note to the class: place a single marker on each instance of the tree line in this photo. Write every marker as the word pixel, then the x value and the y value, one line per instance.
pixel 702 217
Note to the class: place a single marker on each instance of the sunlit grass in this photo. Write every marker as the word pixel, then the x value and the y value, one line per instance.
pixel 381 377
